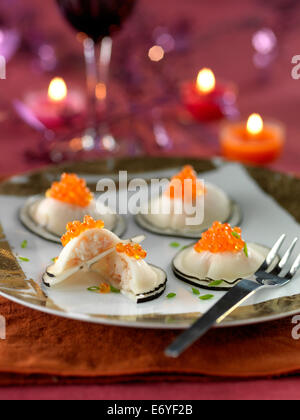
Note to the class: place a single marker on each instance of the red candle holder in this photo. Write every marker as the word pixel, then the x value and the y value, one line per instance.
pixel 208 105
pixel 57 112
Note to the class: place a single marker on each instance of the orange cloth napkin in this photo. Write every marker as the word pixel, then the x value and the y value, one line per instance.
pixel 43 349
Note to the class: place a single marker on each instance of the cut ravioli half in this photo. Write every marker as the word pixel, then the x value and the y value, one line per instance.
pixel 90 247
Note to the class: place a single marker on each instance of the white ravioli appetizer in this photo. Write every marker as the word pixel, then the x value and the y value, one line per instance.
pixel 167 214
pixel 68 200
pixel 219 259
pixel 119 264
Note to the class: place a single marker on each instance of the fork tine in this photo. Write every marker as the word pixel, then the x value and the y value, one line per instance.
pixel 294 268
pixel 285 258
pixel 273 253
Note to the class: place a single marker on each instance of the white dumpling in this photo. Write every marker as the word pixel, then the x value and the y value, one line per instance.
pixel 221 266
pixel 84 248
pixel 133 277
pixel 217 206
pixel 54 215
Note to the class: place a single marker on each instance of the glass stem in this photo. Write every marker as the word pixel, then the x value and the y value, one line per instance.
pixel 108 142
pixel 91 74
pixel 103 72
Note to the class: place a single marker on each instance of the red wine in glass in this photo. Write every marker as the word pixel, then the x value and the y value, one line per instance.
pixel 98 20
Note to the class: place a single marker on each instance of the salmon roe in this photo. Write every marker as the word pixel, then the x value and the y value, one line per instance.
pixel 132 250
pixel 221 238
pixel 104 288
pixel 182 189
pixel 72 190
pixel 75 229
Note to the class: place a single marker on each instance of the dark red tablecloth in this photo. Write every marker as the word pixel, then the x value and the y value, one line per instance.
pixel 218 35
pixel 269 389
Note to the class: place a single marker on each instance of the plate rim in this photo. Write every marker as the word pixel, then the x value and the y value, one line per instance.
pixel 143 324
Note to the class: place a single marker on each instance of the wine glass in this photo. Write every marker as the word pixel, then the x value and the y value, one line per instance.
pixel 10 37
pixel 96 21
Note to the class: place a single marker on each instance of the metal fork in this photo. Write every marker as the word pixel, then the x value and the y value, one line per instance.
pixel 266 276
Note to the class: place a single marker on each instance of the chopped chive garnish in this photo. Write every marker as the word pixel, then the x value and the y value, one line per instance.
pixel 236 235
pixel 175 245
pixel 114 290
pixel 216 283
pixel 94 289
pixel 196 292
pixel 206 297
pixel 246 250
pixel 24 244
pixel 171 295
pixel 24 259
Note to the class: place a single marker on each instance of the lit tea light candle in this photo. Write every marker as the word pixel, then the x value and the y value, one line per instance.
pixel 57 91
pixel 254 141
pixel 58 107
pixel 206 81
pixel 255 125
pixel 207 99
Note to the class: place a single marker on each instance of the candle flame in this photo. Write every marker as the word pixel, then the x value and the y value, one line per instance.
pixel 57 91
pixel 255 124
pixel 206 81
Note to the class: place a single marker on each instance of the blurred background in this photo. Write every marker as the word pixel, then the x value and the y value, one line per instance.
pixel 163 45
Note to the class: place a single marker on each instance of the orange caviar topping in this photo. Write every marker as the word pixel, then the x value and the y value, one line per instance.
pixel 184 189
pixel 75 229
pixel 132 250
pixel 72 190
pixel 104 288
pixel 221 238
